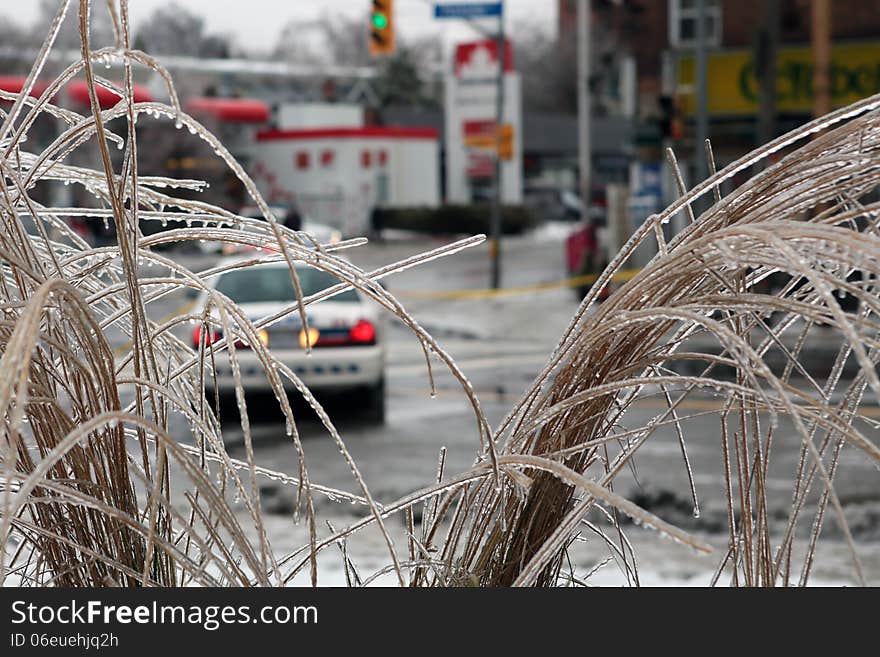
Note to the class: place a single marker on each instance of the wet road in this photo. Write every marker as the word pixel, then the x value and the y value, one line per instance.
pixel 496 343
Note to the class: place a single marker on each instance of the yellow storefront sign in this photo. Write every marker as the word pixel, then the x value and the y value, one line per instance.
pixel 733 86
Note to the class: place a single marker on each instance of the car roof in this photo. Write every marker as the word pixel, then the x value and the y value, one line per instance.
pixel 279 264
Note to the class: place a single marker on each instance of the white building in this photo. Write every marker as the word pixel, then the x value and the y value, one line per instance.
pixel 336 174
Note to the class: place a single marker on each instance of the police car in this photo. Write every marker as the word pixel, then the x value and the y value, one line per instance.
pixel 345 333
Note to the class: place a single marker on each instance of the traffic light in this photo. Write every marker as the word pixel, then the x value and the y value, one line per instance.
pixel 382 27
pixel 504 135
pixel 671 123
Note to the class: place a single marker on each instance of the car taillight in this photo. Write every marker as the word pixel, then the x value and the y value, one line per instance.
pixel 213 335
pixel 362 333
pixel 263 334
pixel 310 338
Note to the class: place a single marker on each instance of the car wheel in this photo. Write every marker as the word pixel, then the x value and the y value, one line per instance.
pixel 374 403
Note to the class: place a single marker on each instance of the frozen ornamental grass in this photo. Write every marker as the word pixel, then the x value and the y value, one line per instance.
pixel 95 491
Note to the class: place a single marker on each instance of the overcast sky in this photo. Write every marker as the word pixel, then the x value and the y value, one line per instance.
pixel 256 24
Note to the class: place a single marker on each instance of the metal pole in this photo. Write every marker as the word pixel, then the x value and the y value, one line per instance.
pixel 495 218
pixel 821 41
pixel 702 127
pixel 765 64
pixel 583 54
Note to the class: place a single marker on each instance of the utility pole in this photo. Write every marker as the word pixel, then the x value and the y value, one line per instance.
pixel 495 218
pixel 584 18
pixel 765 65
pixel 702 80
pixel 820 35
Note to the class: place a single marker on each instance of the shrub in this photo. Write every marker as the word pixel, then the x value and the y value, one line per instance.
pixel 453 219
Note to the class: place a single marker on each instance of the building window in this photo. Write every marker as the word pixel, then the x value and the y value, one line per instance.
pixel 683 23
pixel 302 160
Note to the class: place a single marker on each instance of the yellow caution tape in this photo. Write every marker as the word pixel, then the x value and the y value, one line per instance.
pixel 622 275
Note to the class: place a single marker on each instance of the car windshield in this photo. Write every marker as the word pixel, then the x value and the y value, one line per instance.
pixel 268 284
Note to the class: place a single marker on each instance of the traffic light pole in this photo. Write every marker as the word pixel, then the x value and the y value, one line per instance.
pixel 702 123
pixel 495 218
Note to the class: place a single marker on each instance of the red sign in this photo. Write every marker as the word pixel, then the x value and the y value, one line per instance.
pixel 479 53
pixel 480 165
pixel 474 128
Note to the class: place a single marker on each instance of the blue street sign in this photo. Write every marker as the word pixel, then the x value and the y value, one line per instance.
pixel 468 10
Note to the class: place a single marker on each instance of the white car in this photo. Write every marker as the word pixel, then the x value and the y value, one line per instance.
pixel 345 330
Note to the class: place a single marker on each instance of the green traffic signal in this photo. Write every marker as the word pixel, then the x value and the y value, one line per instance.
pixel 381 38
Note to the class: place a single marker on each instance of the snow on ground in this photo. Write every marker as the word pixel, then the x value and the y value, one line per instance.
pixel 554 231
pixel 661 562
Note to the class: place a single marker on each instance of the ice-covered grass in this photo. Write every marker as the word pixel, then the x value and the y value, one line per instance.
pixel 97 492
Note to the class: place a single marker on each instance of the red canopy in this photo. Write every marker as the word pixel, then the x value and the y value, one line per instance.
pixel 79 92
pixel 234 110
pixel 15 83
